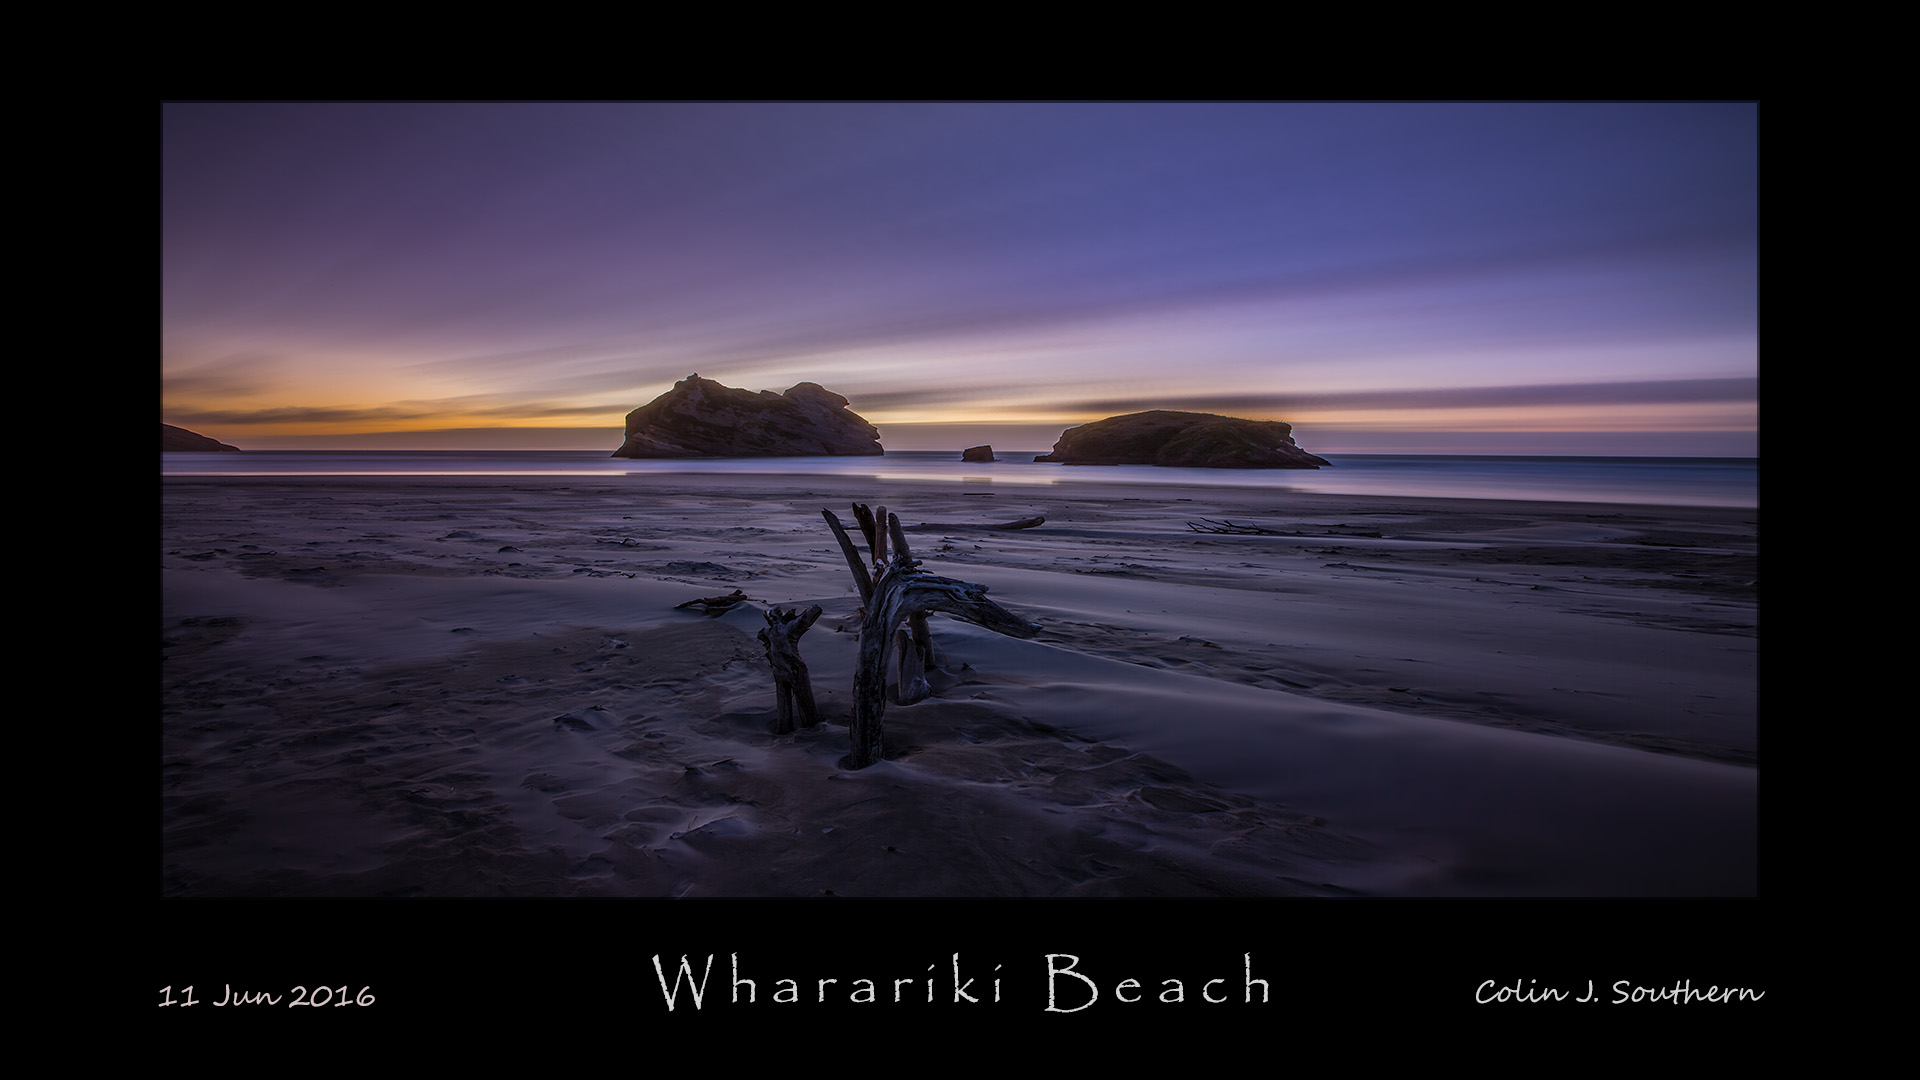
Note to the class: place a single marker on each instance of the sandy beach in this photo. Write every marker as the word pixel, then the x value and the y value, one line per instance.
pixel 482 686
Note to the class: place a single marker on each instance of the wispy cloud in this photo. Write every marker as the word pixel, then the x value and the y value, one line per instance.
pixel 437 413
pixel 239 374
pixel 1057 398
pixel 1657 392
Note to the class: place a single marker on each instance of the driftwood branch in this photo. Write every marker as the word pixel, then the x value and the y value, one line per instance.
pixel 913 685
pixel 1208 525
pixel 792 686
pixel 862 578
pixel 899 540
pixel 915 646
pixel 864 515
pixel 715 605
pixel 1017 523
pixel 1022 523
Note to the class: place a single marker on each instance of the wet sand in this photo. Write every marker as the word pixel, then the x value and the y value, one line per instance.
pixel 482 686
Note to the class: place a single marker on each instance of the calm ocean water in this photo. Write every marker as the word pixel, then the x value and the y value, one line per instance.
pixel 1659 481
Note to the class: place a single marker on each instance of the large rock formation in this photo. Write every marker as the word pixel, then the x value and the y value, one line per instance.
pixel 1195 440
pixel 179 438
pixel 701 418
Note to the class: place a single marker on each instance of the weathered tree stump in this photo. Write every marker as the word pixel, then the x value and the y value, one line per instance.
pixel 792 687
pixel 899 592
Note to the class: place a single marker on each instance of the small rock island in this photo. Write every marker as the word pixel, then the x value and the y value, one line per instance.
pixel 179 439
pixel 977 453
pixel 1188 439
pixel 702 418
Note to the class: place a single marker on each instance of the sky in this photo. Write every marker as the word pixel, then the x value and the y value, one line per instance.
pixel 1389 278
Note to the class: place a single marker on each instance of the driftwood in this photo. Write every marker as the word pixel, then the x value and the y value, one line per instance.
pixel 715 605
pixel 913 684
pixel 1023 523
pixel 862 579
pixel 899 592
pixel 1208 525
pixel 792 686
pixel 1019 523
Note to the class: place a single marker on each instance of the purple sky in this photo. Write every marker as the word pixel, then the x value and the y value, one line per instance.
pixel 1450 278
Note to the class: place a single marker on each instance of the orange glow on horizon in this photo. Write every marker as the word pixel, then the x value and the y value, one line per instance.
pixel 1731 416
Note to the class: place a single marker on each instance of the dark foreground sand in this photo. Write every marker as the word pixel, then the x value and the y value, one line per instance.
pixel 481 686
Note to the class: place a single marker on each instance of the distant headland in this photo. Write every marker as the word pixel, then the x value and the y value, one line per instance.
pixel 180 439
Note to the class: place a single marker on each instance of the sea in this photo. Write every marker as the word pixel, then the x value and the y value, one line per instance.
pixel 1664 481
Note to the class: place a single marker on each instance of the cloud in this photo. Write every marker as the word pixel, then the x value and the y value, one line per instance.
pixel 957 310
pixel 298 415
pixel 1648 392
pixel 240 374
pixel 403 412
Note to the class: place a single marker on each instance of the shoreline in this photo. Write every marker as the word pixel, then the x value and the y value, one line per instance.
pixel 1630 481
